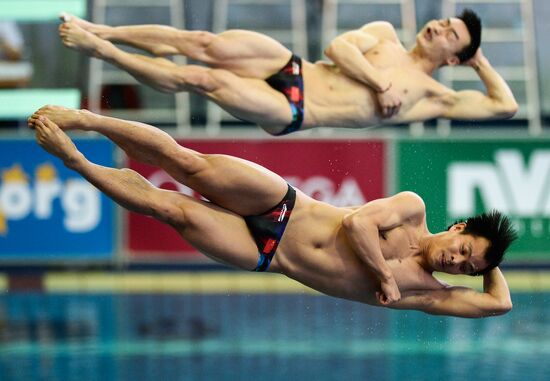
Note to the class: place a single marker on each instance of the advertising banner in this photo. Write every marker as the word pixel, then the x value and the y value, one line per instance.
pixel 461 178
pixel 48 212
pixel 339 172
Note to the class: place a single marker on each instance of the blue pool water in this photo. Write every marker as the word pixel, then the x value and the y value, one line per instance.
pixel 262 337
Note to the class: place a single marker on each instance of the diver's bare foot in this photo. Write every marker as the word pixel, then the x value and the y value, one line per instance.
pixel 75 37
pixel 97 29
pixel 64 118
pixel 55 141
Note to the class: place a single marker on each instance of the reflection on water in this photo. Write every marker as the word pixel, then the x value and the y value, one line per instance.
pixel 266 337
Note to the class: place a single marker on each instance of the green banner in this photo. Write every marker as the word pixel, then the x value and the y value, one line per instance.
pixel 40 10
pixel 459 178
pixel 21 103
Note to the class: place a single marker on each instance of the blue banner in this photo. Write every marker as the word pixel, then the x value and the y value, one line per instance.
pixel 48 212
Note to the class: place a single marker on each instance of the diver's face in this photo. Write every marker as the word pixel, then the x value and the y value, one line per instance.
pixel 443 39
pixel 453 252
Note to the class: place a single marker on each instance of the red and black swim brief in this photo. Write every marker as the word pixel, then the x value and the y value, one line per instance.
pixel 289 81
pixel 268 228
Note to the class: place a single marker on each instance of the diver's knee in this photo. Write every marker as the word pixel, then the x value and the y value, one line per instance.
pixel 211 80
pixel 193 78
pixel 170 212
pixel 204 38
pixel 189 162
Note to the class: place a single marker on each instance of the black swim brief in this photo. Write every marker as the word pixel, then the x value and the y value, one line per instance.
pixel 267 229
pixel 289 81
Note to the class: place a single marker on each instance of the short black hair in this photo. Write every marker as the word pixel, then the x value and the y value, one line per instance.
pixel 473 23
pixel 497 228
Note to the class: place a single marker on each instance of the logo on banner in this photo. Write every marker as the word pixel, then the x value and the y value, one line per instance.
pixel 324 189
pixel 509 184
pixel 20 198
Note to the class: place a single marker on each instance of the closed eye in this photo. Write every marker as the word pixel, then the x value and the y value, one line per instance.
pixel 453 32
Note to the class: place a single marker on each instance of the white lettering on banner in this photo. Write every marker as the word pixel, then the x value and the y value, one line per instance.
pixel 80 201
pixel 527 186
pixel 324 189
pixel 318 187
pixel 82 204
pixel 508 185
pixel 349 194
pixel 16 200
pixel 464 179
pixel 46 192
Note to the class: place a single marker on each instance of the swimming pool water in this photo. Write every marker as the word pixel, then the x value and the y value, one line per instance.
pixel 262 337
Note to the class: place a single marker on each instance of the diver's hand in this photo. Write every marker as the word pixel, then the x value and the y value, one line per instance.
pixel 390 292
pixel 389 101
pixel 477 60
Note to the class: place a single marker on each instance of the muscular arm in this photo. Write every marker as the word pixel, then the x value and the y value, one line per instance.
pixel 462 301
pixel 498 103
pixel 347 52
pixel 363 227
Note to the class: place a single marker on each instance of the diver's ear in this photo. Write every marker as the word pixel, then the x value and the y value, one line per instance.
pixel 453 61
pixel 458 227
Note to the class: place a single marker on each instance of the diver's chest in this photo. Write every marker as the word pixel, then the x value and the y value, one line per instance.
pixel 410 276
pixel 410 84
pixel 386 55
pixel 397 243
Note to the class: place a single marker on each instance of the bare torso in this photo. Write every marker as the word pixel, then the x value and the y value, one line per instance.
pixel 333 99
pixel 315 251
